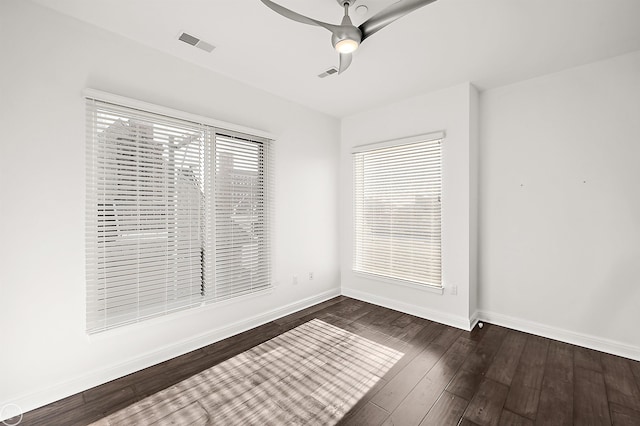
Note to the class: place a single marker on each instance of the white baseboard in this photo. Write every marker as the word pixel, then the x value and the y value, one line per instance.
pixel 408 308
pixel 54 393
pixel 567 336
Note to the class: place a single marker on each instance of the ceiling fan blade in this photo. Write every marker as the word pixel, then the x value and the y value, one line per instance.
pixel 297 17
pixel 345 61
pixel 390 14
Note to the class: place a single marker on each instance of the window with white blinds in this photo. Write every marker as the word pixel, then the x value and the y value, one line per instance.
pixel 397 210
pixel 177 214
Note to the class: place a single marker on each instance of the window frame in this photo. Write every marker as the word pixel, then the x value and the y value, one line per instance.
pixel 213 128
pixel 438 136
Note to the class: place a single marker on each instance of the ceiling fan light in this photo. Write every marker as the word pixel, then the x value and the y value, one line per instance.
pixel 347 45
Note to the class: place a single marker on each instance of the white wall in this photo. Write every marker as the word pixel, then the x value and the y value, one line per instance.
pixel 560 205
pixel 453 110
pixel 47 59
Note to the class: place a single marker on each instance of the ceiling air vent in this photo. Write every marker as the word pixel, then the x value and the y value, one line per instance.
pixel 327 73
pixel 195 41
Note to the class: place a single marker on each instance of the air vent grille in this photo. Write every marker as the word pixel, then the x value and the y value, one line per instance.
pixel 195 41
pixel 189 39
pixel 327 73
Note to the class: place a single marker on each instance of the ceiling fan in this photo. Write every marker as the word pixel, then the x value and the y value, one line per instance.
pixel 346 37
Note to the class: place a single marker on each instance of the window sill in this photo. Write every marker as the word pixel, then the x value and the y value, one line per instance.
pixel 422 287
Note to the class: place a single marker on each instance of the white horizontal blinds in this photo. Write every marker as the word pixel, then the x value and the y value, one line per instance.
pixel 397 212
pixel 146 214
pixel 242 216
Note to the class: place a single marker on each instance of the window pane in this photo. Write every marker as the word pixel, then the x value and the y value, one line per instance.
pixel 242 263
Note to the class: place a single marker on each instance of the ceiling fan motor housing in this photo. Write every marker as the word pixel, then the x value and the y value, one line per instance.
pixel 346 31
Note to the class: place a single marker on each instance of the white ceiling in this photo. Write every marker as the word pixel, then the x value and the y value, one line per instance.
pixel 486 42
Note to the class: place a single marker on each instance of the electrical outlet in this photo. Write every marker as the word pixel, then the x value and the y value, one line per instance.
pixel 310 276
pixel 295 280
pixel 454 290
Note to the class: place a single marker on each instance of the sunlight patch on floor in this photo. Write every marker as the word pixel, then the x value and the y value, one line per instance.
pixel 312 374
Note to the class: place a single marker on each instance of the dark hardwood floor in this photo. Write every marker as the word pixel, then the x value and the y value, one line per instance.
pixel 490 376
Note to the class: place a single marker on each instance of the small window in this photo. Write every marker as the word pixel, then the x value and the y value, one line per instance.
pixel 177 213
pixel 397 210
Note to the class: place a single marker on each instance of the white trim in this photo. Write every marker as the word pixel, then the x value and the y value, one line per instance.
pixel 425 137
pixel 170 112
pixel 473 320
pixel 78 384
pixel 396 281
pixel 567 336
pixel 419 311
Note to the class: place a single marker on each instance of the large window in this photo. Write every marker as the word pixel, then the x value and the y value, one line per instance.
pixel 397 210
pixel 177 213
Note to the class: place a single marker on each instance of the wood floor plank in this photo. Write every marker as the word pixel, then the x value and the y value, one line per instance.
pixel 340 309
pixel 167 374
pixel 232 346
pixel 425 336
pixel 41 415
pixel 354 413
pixel 467 422
pixel 486 406
pixel 101 391
pixel 368 415
pixel 530 370
pixel 423 396
pixel 192 414
pixel 621 415
pixel 369 333
pixel 504 365
pixel 333 319
pixel 379 318
pixel 447 337
pixel 524 394
pixel 390 396
pixel 406 327
pixel 347 310
pixel 411 349
pixel 587 359
pixel 508 418
pixel 447 411
pixel 621 386
pixel 635 367
pixel 480 360
pixel 590 398
pixel 94 410
pixel 556 401
pixel 465 384
pixel 523 400
pixel 559 364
